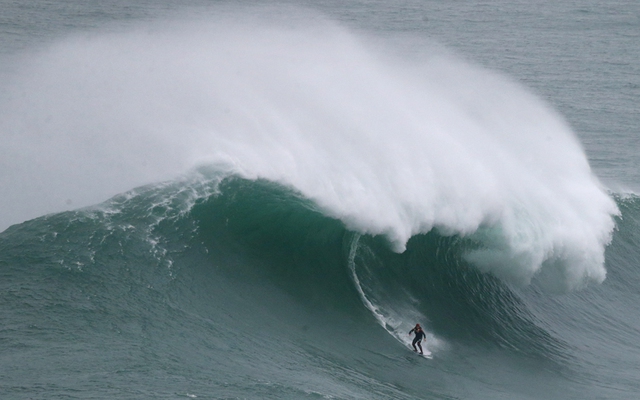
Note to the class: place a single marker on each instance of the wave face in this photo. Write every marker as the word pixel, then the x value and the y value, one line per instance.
pixel 221 286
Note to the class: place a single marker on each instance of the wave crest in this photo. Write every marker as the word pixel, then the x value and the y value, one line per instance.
pixel 390 144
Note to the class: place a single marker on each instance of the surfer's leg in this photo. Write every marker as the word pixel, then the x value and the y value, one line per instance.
pixel 414 344
pixel 419 345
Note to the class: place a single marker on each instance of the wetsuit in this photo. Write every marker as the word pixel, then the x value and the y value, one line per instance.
pixel 419 335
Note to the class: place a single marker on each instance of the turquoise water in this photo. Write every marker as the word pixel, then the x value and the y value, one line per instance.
pixel 214 200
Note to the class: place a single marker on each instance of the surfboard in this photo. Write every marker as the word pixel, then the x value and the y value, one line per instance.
pixel 426 353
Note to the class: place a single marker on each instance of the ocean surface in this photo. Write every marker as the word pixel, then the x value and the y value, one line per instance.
pixel 258 200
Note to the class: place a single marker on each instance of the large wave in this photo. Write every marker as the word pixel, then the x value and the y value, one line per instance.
pixel 221 276
pixel 387 143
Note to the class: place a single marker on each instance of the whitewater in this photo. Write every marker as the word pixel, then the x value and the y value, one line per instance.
pixel 261 202
pixel 389 145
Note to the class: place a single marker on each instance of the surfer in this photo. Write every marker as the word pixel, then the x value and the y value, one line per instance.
pixel 420 335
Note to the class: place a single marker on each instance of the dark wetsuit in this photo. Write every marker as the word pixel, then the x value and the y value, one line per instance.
pixel 419 335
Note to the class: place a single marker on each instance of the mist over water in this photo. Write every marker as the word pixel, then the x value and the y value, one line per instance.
pixel 389 143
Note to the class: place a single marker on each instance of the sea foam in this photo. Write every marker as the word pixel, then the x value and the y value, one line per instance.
pixel 392 142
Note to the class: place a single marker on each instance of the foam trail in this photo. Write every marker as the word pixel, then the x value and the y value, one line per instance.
pixel 390 145
pixel 396 321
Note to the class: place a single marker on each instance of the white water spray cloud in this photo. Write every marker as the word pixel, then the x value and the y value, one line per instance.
pixel 388 144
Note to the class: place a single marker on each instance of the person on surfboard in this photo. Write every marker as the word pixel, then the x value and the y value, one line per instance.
pixel 420 336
